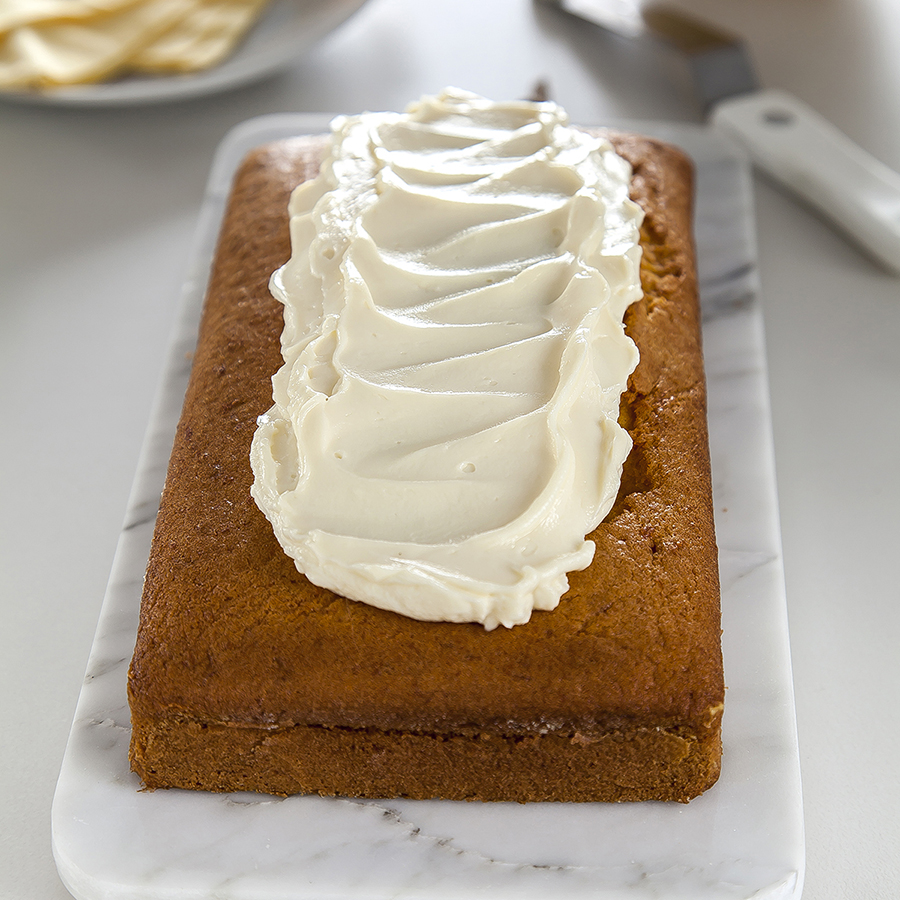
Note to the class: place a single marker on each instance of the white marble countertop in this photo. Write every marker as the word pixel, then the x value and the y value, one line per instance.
pixel 97 209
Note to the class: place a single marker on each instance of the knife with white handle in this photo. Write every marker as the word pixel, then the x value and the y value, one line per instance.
pixel 784 137
pixel 805 152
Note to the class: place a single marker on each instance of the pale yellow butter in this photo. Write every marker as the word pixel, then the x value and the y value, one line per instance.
pixel 203 39
pixel 18 13
pixel 64 42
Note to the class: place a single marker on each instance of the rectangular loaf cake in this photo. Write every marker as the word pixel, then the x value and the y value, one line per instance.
pixel 246 676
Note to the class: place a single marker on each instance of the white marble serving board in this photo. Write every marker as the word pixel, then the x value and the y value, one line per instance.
pixel 743 838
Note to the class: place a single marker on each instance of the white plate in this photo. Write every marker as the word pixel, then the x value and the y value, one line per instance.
pixel 743 838
pixel 285 31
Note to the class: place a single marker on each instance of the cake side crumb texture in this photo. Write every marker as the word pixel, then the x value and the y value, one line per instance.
pixel 248 677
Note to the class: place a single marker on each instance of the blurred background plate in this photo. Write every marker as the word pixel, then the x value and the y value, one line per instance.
pixel 286 30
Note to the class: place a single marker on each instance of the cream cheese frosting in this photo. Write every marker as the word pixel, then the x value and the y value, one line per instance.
pixel 444 430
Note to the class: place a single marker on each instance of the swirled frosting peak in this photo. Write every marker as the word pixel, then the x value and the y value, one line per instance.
pixel 444 430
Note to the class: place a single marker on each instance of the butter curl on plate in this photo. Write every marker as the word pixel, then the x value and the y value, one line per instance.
pixel 48 43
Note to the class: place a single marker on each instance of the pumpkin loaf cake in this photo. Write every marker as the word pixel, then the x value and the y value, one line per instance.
pixel 247 676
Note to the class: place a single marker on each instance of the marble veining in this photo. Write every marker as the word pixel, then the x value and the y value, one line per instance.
pixel 743 838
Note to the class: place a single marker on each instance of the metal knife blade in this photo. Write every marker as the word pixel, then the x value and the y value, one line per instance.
pixel 783 136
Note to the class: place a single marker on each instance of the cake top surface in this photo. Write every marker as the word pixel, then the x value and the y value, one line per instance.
pixel 231 631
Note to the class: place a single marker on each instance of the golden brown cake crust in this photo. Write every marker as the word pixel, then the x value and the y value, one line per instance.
pixel 247 676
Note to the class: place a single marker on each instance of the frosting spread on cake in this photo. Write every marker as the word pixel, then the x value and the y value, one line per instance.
pixel 444 431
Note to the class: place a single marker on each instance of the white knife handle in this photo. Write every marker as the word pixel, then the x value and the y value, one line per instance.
pixel 806 153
